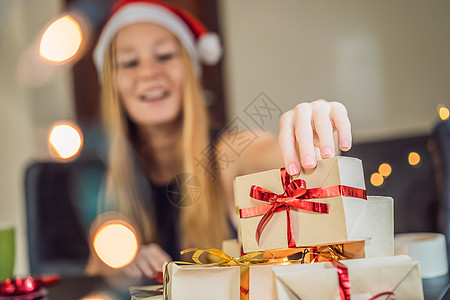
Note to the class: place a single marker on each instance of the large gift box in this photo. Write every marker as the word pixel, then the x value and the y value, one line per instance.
pixel 375 225
pixel 395 277
pixel 372 236
pixel 319 206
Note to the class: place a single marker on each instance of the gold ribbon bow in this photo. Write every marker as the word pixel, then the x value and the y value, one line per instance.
pixel 328 252
pixel 225 260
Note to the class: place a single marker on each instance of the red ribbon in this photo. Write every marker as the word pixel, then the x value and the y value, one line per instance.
pixel 345 285
pixel 295 194
pixel 381 295
pixel 344 281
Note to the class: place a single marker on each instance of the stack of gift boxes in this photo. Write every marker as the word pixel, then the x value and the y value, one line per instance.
pixel 311 236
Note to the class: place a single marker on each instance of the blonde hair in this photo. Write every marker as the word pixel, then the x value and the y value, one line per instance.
pixel 204 223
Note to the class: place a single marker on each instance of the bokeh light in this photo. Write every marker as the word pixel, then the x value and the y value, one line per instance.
pixel 61 40
pixel 115 244
pixel 66 140
pixel 444 112
pixel 376 179
pixel 413 158
pixel 385 169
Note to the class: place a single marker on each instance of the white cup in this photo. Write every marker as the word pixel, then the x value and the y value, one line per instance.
pixel 429 249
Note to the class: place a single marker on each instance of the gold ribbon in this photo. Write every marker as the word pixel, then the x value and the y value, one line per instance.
pixel 309 254
pixel 328 252
pixel 225 260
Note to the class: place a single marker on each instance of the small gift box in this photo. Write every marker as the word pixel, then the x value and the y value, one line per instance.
pixel 198 282
pixel 370 278
pixel 319 206
pixel 245 277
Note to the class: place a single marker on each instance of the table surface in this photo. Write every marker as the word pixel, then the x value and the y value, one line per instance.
pixel 75 288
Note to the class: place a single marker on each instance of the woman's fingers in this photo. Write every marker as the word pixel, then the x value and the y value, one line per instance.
pixel 145 266
pixel 311 127
pixel 339 116
pixel 149 260
pixel 132 271
pixel 156 257
pixel 323 127
pixel 304 134
pixel 287 143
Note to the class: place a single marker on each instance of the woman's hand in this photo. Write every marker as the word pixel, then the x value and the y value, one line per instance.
pixel 311 127
pixel 148 261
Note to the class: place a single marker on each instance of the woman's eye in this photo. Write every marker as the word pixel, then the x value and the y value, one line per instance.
pixel 128 64
pixel 166 56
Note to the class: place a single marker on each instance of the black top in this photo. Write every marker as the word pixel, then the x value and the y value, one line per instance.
pixel 167 218
pixel 165 202
pixel 167 214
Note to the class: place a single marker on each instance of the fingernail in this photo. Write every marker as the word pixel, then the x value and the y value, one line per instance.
pixel 293 169
pixel 309 161
pixel 327 151
pixel 345 144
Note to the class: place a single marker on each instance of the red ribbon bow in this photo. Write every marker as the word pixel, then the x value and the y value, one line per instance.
pixel 295 195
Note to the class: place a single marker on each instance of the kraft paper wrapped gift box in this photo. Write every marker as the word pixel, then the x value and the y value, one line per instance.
pixel 262 283
pixel 309 228
pixel 199 282
pixel 368 277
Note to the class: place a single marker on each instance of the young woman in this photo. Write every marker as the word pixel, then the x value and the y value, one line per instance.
pixel 148 58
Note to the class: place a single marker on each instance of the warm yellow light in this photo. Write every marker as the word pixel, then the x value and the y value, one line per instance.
pixel 98 296
pixel 61 40
pixel 385 170
pixel 66 140
pixel 376 179
pixel 444 113
pixel 413 158
pixel 115 244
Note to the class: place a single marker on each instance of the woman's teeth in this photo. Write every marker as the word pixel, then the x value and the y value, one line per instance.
pixel 154 95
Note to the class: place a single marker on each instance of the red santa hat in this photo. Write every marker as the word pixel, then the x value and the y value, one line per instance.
pixel 203 46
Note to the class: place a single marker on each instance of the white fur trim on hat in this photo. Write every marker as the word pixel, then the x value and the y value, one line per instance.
pixel 140 12
pixel 209 49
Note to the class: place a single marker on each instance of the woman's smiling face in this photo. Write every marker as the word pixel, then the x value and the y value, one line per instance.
pixel 149 73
